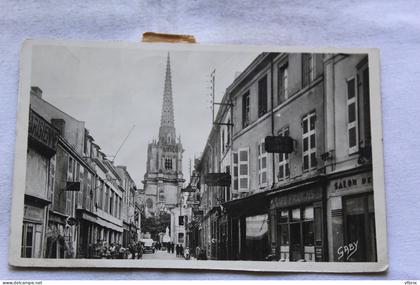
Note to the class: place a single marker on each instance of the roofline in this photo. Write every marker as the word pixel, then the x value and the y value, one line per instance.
pixel 55 107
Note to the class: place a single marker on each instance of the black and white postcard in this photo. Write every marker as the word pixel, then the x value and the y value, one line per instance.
pixel 191 156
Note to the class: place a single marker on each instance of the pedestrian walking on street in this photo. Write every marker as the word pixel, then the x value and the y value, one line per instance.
pixel 168 247
pixel 177 250
pixel 197 251
pixel 172 247
pixel 181 250
pixel 187 254
pixel 132 250
pixel 139 250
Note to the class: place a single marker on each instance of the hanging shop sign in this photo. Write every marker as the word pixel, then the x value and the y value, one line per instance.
pixel 278 144
pixel 189 188
pixel 72 186
pixel 218 179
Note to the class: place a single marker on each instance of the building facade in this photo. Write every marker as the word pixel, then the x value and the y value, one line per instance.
pixel 42 147
pixel 74 193
pixel 350 207
pixel 311 199
pixel 130 214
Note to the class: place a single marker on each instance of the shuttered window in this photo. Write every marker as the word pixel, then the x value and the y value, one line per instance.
pixel 243 169
pixel 309 141
pixel 262 164
pixel 352 117
pixel 235 175
pixel 284 171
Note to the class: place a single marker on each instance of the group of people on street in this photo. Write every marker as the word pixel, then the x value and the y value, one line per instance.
pixel 112 250
pixel 158 246
pixel 136 248
pixel 170 246
pixel 179 250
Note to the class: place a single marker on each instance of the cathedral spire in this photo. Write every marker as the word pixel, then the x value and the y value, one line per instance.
pixel 167 121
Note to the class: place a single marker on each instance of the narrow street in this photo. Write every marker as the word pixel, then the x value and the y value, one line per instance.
pixel 163 255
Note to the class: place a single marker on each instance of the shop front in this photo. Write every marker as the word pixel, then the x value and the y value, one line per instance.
pixel 96 233
pixel 247 231
pixel 40 172
pixel 352 216
pixel 61 237
pixel 296 222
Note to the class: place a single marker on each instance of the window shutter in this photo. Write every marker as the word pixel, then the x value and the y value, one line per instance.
pixel 243 155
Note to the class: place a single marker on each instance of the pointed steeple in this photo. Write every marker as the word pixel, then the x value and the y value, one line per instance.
pixel 167 121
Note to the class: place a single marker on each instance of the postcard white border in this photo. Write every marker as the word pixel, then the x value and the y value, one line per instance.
pixel 257 266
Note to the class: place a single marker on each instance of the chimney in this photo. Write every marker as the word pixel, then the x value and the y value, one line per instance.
pixel 36 91
pixel 59 124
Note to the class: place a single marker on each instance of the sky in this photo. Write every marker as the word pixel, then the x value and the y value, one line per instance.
pixel 113 89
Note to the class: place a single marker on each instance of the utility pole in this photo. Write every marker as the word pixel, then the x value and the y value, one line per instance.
pixel 213 79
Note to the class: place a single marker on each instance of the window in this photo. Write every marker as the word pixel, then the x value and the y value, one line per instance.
pixel 283 83
pixel 365 102
pixel 352 117
pixel 106 202
pixel 70 166
pixel 307 69
pixel 168 163
pixel 120 207
pixel 235 171
pixel 76 171
pixel 85 143
pixel 82 185
pixel 309 141
pixel 295 233
pixel 181 237
pixel 228 133
pixel 180 220
pixel 308 226
pixel 283 229
pixel 89 192
pixel 243 169
pixel 101 199
pixel 245 110
pixel 27 240
pixel 223 141
pixel 111 203
pixel 284 170
pixel 262 96
pixel 98 193
pixel 262 164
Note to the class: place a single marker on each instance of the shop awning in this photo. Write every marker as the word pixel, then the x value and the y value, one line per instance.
pixel 102 222
pixel 256 226
pixel 252 205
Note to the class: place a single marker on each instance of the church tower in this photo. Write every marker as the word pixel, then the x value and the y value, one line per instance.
pixel 163 179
